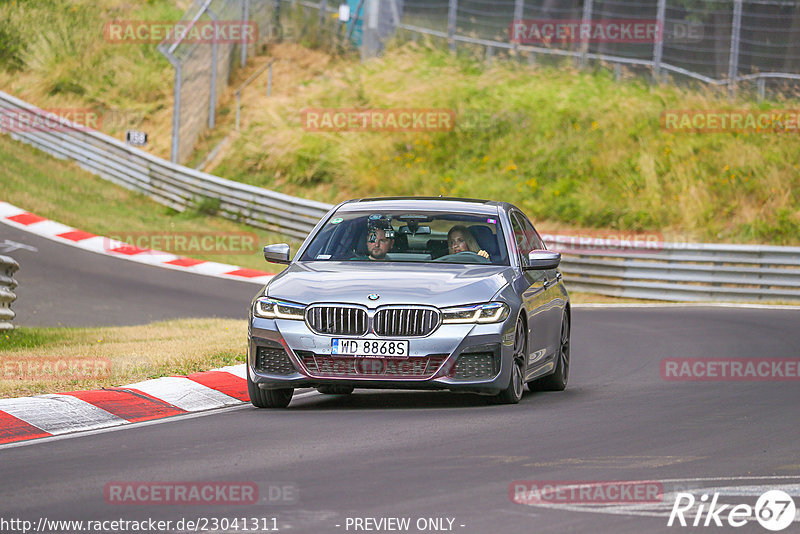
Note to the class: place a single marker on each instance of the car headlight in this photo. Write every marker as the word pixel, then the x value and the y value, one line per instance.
pixel 491 312
pixel 269 308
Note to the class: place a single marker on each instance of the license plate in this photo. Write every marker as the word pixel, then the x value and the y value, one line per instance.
pixel 369 347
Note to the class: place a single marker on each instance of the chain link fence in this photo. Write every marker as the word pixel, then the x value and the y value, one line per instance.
pixel 203 65
pixel 752 44
pixel 733 43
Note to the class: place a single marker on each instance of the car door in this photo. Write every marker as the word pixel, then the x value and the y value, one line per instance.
pixel 546 324
pixel 533 294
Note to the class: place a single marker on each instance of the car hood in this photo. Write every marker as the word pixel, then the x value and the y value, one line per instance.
pixel 397 283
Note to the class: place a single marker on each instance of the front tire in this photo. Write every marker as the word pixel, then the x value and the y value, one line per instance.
pixel 268 398
pixel 558 380
pixel 513 393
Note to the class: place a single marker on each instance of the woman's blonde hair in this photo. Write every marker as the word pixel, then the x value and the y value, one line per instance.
pixel 472 243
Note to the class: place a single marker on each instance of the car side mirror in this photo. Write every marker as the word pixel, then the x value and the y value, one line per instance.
pixel 542 259
pixel 277 253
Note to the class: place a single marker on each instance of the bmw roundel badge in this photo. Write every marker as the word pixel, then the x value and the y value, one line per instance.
pixel 373 296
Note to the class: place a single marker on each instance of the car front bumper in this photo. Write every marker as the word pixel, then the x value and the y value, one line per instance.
pixel 459 357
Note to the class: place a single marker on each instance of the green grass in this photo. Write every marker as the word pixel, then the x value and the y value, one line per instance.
pixel 572 148
pixel 29 338
pixel 53 53
pixel 61 191
pixel 123 355
pixel 59 46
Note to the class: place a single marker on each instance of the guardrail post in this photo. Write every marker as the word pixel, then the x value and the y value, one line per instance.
pixel 238 108
pixel 246 19
pixel 658 46
pixel 269 78
pixel 212 99
pixel 733 62
pixel 176 110
pixel 370 41
pixel 451 24
pixel 277 20
pixel 587 19
pixel 323 13
pixel 762 89
pixel 519 9
pixel 8 266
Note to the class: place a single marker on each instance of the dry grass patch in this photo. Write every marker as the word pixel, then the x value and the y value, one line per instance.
pixel 92 358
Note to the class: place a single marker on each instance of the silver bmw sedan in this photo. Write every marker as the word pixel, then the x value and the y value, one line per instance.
pixel 413 293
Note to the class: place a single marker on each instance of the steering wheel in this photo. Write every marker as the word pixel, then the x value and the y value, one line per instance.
pixel 454 258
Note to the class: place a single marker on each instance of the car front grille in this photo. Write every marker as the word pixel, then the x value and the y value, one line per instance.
pixel 274 361
pixel 338 366
pixel 337 320
pixel 405 322
pixel 475 365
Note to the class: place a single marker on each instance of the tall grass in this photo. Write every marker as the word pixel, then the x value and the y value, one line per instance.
pixel 572 148
pixel 57 57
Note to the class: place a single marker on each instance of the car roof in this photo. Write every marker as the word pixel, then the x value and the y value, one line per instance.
pixel 459 205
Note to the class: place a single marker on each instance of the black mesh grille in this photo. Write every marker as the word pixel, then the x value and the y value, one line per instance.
pixel 475 365
pixel 405 322
pixel 377 367
pixel 337 320
pixel 273 361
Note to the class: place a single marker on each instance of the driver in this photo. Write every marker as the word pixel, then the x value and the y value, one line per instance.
pixel 460 239
pixel 379 239
pixel 380 246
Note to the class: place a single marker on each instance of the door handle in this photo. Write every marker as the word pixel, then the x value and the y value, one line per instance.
pixel 549 282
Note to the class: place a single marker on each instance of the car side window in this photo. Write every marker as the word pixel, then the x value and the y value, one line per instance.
pixel 530 233
pixel 526 236
pixel 521 239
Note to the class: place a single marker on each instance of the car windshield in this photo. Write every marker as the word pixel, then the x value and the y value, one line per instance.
pixel 409 236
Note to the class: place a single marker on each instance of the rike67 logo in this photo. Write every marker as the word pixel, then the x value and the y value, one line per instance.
pixel 774 510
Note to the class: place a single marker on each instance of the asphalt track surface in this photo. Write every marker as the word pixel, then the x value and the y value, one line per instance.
pixel 61 285
pixel 428 454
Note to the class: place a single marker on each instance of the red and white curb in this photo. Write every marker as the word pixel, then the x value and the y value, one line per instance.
pixel 27 418
pixel 61 233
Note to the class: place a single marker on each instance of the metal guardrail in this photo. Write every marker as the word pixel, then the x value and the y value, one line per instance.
pixel 8 266
pixel 662 271
pixel 168 183
pixel 680 271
